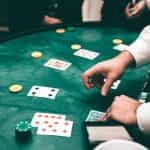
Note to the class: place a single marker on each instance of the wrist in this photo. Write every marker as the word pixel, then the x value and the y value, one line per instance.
pixel 125 59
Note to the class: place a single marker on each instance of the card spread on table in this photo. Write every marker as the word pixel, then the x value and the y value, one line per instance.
pixel 94 115
pixel 52 124
pixel 57 64
pixel 62 128
pixel 121 47
pixel 45 118
pixel 44 92
pixel 86 54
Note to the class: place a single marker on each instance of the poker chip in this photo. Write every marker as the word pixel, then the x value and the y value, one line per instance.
pixel 36 54
pixel 15 88
pixel 75 46
pixel 23 130
pixel 117 41
pixel 60 31
pixel 97 80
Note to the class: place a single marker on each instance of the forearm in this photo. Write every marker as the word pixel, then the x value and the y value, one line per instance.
pixel 125 59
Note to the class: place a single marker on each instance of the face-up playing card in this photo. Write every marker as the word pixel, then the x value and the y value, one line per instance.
pixel 86 54
pixel 40 119
pixel 94 115
pixel 63 128
pixel 121 47
pixel 44 92
pixel 115 85
pixel 57 64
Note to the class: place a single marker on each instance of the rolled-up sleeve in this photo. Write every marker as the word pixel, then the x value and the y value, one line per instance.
pixel 140 49
pixel 143 118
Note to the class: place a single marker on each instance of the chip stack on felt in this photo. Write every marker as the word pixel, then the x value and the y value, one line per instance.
pixel 52 124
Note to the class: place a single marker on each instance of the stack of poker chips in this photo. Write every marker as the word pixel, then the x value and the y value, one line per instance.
pixel 23 131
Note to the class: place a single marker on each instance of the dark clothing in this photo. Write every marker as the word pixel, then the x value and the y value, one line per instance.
pixel 69 11
pixel 113 14
pixel 26 14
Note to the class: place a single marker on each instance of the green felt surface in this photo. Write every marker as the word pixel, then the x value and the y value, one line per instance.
pixel 73 100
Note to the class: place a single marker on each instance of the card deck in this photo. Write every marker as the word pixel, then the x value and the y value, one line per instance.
pixel 86 54
pixel 45 118
pixel 94 115
pixel 62 128
pixel 44 92
pixel 121 47
pixel 57 64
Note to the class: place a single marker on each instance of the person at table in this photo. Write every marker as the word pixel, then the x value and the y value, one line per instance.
pixel 117 12
pixel 59 12
pixel 138 54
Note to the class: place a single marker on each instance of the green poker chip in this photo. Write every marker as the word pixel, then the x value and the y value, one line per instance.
pixel 23 130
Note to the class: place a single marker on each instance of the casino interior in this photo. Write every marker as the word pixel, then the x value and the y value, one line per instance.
pixel 35 31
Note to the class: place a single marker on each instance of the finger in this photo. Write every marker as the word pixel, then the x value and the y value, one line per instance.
pixel 89 73
pixel 104 117
pixel 106 86
pixel 85 79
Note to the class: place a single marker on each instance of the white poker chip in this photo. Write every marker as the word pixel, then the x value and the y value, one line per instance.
pixel 15 88
pixel 36 54
pixel 60 31
pixel 76 46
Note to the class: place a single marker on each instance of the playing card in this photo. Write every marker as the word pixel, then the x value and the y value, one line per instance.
pixel 44 92
pixel 86 54
pixel 45 118
pixel 94 115
pixel 121 47
pixel 57 64
pixel 115 84
pixel 63 128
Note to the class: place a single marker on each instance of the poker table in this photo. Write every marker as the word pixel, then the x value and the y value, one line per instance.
pixel 73 100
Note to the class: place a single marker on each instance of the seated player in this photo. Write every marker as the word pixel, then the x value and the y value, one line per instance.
pixel 63 11
pixel 137 9
pixel 51 17
pixel 112 12
pixel 138 53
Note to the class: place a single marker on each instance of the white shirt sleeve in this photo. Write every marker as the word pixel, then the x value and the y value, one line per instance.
pixel 91 10
pixel 143 118
pixel 148 4
pixel 140 49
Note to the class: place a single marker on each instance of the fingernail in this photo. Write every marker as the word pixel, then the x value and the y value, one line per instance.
pixel 103 93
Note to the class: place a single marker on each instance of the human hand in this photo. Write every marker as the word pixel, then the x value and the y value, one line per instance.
pixel 50 20
pixel 110 69
pixel 123 109
pixel 133 11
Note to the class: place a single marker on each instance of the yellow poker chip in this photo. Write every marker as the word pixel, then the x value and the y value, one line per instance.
pixel 75 46
pixel 15 88
pixel 117 41
pixel 36 54
pixel 60 31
